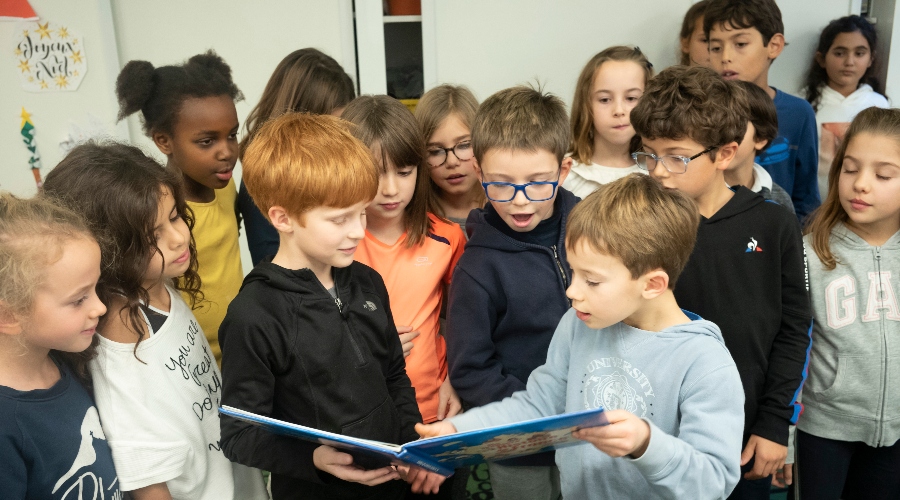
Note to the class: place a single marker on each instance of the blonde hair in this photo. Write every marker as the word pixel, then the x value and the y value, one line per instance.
pixel 883 122
pixel 521 118
pixel 433 108
pixel 582 147
pixel 636 220
pixel 300 161
pixel 33 233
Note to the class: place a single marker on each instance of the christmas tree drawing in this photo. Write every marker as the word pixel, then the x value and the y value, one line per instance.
pixel 27 131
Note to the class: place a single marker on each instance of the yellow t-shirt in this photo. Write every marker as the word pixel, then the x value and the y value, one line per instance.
pixel 415 279
pixel 219 255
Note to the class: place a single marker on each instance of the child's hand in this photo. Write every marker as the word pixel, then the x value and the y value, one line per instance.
pixel 769 457
pixel 436 429
pixel 406 338
pixel 626 434
pixel 783 477
pixel 340 465
pixel 421 480
pixel 448 401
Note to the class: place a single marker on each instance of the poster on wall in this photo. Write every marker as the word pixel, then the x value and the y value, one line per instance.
pixel 49 57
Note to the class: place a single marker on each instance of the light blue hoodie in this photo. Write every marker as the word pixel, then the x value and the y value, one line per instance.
pixel 682 381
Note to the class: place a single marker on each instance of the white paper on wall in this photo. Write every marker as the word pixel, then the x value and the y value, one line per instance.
pixel 49 57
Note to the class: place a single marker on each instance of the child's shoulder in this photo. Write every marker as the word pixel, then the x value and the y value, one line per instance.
pixel 445 231
pixel 791 104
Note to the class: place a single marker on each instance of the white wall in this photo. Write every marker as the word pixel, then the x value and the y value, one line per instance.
pixel 493 45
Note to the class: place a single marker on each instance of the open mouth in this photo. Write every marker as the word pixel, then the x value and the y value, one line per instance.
pixel 729 75
pixel 582 316
pixel 455 179
pixel 522 220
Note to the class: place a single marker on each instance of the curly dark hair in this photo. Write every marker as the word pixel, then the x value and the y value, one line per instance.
pixel 817 76
pixel 692 102
pixel 117 188
pixel 158 93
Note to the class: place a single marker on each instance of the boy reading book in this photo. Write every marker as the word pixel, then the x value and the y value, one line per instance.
pixel 671 391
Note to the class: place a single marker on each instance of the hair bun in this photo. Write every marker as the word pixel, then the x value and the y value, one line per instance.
pixel 134 87
pixel 211 61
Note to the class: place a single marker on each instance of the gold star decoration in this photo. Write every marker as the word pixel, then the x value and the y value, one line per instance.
pixel 18 51
pixel 61 81
pixel 43 84
pixel 30 78
pixel 23 65
pixel 63 33
pixel 76 56
pixel 24 32
pixel 75 72
pixel 43 30
pixel 74 41
pixel 26 117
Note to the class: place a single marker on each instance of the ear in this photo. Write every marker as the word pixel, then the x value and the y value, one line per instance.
pixel 686 45
pixel 478 171
pixel 760 144
pixel 280 219
pixel 776 45
pixel 656 283
pixel 10 324
pixel 564 169
pixel 820 59
pixel 725 154
pixel 163 142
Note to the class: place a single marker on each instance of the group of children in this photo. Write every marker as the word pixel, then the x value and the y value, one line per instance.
pixel 466 266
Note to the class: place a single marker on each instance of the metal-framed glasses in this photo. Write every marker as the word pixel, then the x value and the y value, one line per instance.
pixel 437 156
pixel 533 191
pixel 676 164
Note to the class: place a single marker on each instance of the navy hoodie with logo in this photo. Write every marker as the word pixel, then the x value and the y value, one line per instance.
pixel 747 275
pixel 506 299
pixel 293 352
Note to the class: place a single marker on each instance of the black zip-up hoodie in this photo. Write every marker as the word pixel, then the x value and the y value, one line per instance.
pixel 747 274
pixel 293 352
pixel 506 299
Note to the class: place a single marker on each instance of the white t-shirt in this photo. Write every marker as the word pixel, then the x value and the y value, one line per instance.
pixel 838 111
pixel 161 415
pixel 585 179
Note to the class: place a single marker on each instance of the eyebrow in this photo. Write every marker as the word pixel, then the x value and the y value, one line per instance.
pixel 505 178
pixel 877 164
pixel 454 140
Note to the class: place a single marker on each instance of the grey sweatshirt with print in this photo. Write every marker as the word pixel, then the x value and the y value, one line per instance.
pixel 853 391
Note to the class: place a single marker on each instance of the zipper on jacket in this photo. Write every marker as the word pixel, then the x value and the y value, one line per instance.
pixel 884 366
pixel 559 266
pixel 346 326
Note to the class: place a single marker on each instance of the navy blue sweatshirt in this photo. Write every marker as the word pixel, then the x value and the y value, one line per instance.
pixel 506 299
pixel 747 275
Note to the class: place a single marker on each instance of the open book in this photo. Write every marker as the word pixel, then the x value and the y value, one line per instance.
pixel 445 453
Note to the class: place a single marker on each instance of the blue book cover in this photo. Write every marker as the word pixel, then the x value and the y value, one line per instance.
pixel 445 453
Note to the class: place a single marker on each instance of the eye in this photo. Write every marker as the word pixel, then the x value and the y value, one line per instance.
pixel 741 45
pixel 604 100
pixel 883 177
pixel 232 136
pixel 464 146
pixel 205 142
pixel 79 301
pixel 340 220
pixel 592 283
pixel 714 48
pixel 405 173
pixel 435 152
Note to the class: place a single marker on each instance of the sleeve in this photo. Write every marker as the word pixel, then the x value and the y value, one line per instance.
pixel 545 393
pixel 14 473
pixel 703 461
pixel 146 444
pixel 475 371
pixel 262 238
pixel 250 360
pixel 806 181
pixel 397 381
pixel 778 406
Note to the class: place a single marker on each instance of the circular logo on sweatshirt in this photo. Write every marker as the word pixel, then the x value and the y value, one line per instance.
pixel 613 392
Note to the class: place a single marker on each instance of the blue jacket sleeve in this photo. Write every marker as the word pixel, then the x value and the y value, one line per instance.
pixel 806 183
pixel 475 372
pixel 262 238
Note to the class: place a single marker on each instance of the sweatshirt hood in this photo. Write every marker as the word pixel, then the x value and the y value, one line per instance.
pixel 743 200
pixel 697 326
pixel 842 234
pixel 482 234
pixel 275 276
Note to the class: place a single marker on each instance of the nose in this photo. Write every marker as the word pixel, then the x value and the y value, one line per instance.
pixel 619 108
pixel 98 307
pixel 520 199
pixel 358 231
pixel 389 184
pixel 228 151
pixel 726 52
pixel 570 292
pixel 452 160
pixel 862 182
pixel 659 171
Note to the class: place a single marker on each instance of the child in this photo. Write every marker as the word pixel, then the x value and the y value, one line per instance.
pixel 155 381
pixel 745 36
pixel 308 81
pixel 310 338
pixel 412 249
pixel 51 442
pixel 189 113
pixel 746 273
pixel 694 45
pixel 671 392
pixel 848 436
pixel 401 236
pixel 609 86
pixel 762 127
pixel 445 114
pixel 841 83
pixel 509 288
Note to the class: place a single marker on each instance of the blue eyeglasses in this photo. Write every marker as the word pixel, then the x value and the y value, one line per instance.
pixel 533 191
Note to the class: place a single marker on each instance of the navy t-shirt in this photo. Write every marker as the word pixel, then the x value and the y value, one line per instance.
pixel 52 445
